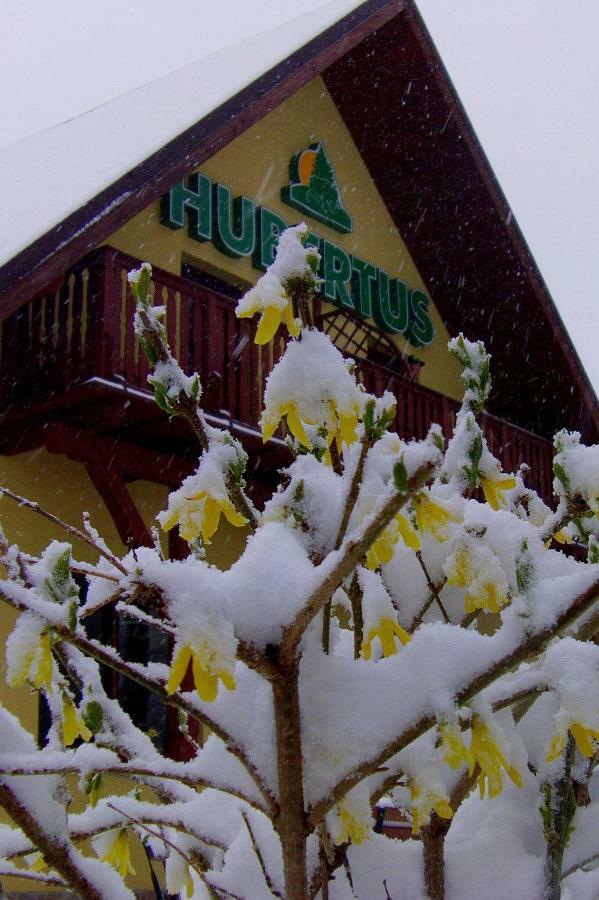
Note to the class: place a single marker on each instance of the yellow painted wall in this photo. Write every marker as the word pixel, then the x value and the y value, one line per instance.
pixel 256 165
pixel 63 487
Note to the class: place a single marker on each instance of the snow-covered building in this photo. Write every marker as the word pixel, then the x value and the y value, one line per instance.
pixel 344 118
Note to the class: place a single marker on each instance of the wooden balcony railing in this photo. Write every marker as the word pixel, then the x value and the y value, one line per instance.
pixel 81 328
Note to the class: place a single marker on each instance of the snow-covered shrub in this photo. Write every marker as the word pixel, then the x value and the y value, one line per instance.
pixel 338 663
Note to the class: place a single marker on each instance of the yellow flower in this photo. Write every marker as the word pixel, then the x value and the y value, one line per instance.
pixel 563 537
pixel 340 424
pixel 73 725
pixel 352 828
pixel 584 741
pixel 489 597
pixel 485 584
pixel 204 659
pixel 36 666
pixel 455 752
pixel 423 801
pixel 431 516
pixel 118 854
pixel 486 752
pixel 386 631
pixel 294 424
pixel 493 488
pixel 200 514
pixel 381 550
pixel 459 568
pixel 270 320
pixel 36 862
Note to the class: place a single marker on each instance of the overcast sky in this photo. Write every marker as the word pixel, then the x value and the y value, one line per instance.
pixel 527 72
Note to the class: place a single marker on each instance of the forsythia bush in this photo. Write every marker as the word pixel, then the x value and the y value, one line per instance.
pixel 403 627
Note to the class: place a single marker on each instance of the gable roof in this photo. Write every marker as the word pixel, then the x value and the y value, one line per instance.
pixel 388 82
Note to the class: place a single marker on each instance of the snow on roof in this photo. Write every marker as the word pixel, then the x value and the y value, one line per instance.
pixel 48 175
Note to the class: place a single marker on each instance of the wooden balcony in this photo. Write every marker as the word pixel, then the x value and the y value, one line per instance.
pixel 70 357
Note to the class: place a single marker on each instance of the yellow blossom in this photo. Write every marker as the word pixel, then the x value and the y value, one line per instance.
pixel 494 488
pixel 36 665
pixel 73 725
pixel 207 672
pixel 200 514
pixel 386 630
pixel 562 537
pixel 381 550
pixel 294 424
pixel 583 736
pixel 485 584
pixel 340 424
pixel 455 752
pixel 270 320
pixel 118 854
pixel 485 751
pixel 431 516
pixel 425 800
pixel 353 828
pixel 489 597
pixel 36 862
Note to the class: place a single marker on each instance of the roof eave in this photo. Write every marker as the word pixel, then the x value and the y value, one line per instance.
pixel 46 258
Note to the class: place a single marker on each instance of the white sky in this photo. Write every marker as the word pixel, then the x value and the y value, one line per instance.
pixel 527 72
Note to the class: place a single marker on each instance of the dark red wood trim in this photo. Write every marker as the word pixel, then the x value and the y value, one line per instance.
pixel 125 515
pixel 438 186
pixel 131 460
pixel 59 248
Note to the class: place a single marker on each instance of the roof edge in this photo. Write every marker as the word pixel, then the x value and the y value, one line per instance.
pixel 48 256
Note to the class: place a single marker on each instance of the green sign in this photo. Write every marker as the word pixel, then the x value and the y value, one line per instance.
pixel 313 189
pixel 239 228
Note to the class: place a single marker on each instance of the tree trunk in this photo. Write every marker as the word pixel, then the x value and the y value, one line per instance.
pixel 433 851
pixel 291 822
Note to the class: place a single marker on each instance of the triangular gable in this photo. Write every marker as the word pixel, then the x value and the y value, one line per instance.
pixel 386 79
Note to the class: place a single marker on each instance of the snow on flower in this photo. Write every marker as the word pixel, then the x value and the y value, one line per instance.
pixel 489 748
pixel 270 295
pixel 311 384
pixel 196 507
pixel 432 516
pixel 424 798
pixel 573 668
pixel 29 653
pixel 113 848
pixel 380 618
pixel 210 648
pixel 495 487
pixel 475 568
pixel 352 819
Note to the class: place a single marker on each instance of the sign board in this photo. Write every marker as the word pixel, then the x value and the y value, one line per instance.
pixel 238 228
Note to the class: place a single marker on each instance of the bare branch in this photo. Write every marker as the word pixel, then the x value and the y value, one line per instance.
pixel 260 858
pixel 70 529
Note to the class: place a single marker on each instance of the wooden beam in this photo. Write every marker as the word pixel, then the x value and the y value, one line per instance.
pixel 132 461
pixel 113 491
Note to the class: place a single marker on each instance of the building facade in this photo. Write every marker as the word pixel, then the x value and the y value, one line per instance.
pixel 358 133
